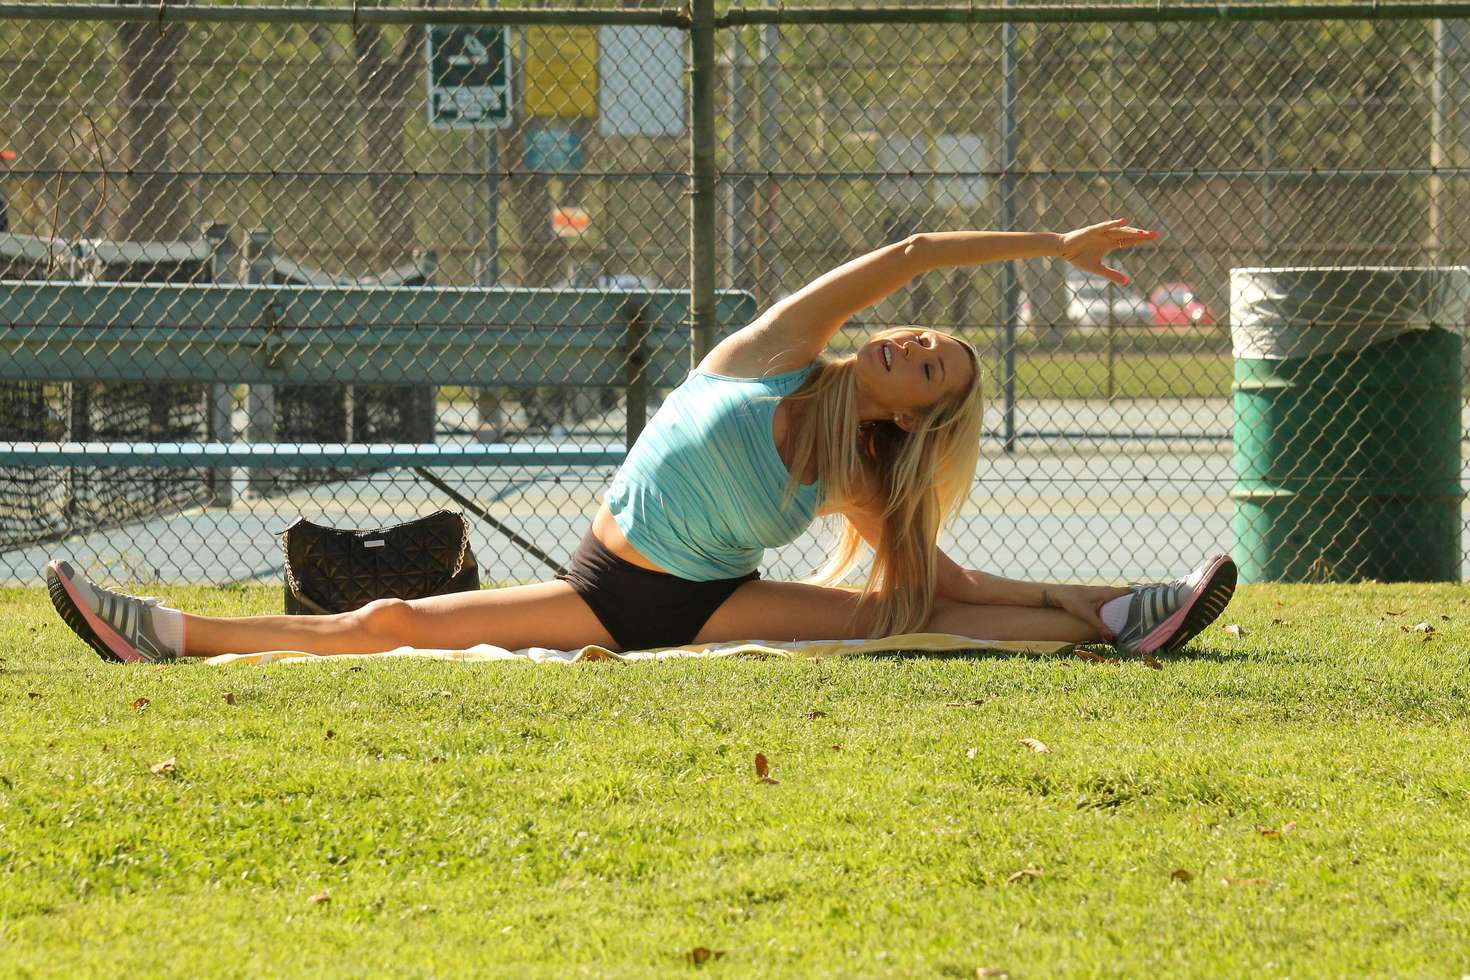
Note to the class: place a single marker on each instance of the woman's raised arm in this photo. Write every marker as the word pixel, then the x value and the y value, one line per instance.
pixel 798 327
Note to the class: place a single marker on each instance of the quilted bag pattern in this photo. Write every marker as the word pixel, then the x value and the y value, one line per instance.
pixel 331 570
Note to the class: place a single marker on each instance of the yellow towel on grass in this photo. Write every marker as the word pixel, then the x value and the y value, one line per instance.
pixel 485 653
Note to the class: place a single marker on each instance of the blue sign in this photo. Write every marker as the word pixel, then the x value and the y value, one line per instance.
pixel 553 148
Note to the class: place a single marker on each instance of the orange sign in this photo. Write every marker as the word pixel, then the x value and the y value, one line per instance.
pixel 570 222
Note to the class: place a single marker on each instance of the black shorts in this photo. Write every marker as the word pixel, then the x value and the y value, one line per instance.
pixel 641 608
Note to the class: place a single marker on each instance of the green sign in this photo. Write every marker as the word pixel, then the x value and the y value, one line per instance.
pixel 469 77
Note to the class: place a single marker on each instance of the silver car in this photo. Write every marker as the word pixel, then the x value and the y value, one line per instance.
pixel 1090 299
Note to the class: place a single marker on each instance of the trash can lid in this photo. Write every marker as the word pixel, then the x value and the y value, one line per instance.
pixel 1303 311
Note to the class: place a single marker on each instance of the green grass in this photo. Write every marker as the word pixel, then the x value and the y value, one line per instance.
pixel 606 820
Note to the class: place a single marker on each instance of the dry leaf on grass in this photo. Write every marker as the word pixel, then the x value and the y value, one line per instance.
pixel 1249 882
pixel 229 698
pixel 1151 663
pixel 982 972
pixel 166 768
pixel 331 734
pixel 445 694
pixel 140 704
pixel 1093 658
pixel 703 954
pixel 814 715
pixel 1034 744
pixel 1181 874
pixel 1234 630
pixel 1025 874
pixel 35 695
pixel 972 703
pixel 321 897
pixel 762 770
pixel 1286 828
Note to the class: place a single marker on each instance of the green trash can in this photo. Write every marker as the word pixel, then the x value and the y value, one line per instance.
pixel 1347 397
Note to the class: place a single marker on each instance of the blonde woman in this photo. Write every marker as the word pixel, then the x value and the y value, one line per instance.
pixel 767 433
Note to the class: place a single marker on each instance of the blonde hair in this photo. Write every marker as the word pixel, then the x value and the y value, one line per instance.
pixel 918 478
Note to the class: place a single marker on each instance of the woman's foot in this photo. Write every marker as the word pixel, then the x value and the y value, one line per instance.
pixel 1167 615
pixel 120 627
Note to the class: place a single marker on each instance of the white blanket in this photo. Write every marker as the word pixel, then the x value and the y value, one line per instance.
pixel 485 653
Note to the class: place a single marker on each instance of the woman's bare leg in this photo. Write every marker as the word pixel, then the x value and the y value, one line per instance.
pixel 794 611
pixel 548 614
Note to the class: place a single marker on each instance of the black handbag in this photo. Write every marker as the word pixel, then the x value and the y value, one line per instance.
pixel 332 570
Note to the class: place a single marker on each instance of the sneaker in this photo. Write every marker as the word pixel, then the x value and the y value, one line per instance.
pixel 1168 615
pixel 117 625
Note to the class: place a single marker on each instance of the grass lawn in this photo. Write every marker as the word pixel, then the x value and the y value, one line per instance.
pixel 1293 801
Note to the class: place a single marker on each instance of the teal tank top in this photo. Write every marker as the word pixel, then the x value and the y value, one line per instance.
pixel 701 491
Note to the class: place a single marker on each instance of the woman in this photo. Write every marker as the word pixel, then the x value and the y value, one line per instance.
pixel 766 434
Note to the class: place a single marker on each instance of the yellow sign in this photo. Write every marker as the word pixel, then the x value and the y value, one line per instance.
pixel 561 72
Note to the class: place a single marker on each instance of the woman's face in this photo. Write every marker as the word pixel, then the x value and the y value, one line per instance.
pixel 900 372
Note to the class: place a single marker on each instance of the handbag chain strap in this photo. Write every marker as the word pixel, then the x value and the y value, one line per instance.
pixel 464 547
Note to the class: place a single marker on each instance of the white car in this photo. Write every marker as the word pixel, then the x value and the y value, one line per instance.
pixel 1088 303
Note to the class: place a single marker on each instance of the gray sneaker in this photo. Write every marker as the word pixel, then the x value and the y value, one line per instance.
pixel 117 625
pixel 1168 615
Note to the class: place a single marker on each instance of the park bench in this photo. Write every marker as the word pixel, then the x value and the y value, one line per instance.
pixel 263 335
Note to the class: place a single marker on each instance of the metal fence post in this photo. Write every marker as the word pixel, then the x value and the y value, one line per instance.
pixel 1009 285
pixel 260 402
pixel 702 231
pixel 221 427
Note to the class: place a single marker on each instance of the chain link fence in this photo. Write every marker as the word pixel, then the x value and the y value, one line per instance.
pixel 378 180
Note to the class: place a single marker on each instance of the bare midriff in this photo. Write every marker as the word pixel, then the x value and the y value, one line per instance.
pixel 605 529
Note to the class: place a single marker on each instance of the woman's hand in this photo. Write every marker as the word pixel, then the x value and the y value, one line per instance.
pixel 1086 247
pixel 1083 601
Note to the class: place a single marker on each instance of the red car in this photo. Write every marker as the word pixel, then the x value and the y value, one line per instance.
pixel 1175 304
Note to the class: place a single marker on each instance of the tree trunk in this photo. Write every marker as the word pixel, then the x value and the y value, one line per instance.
pixel 151 201
pixel 384 83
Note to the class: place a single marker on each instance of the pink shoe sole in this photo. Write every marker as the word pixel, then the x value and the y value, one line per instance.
pixel 83 622
pixel 1203 607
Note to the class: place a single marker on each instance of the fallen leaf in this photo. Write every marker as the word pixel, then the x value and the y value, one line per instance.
pixel 445 694
pixel 1234 630
pixel 1093 658
pixel 1390 612
pixel 837 748
pixel 971 753
pixel 1286 828
pixel 816 714
pixel 703 954
pixel 321 897
pixel 1444 617
pixel 35 695
pixel 1279 622
pixel 762 770
pixel 1246 881
pixel 973 702
pixel 1025 873
pixel 166 768
pixel 229 698
pixel 989 971
pixel 140 704
pixel 1370 680
pixel 1151 663
pixel 331 734
pixel 1181 874
pixel 1034 744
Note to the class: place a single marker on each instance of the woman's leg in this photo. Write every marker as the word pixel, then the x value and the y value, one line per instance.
pixel 795 611
pixel 548 614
